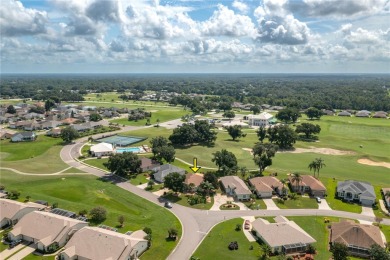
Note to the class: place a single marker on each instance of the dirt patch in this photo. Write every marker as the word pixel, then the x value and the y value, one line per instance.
pixel 248 150
pixel 153 111
pixel 372 163
pixel 328 151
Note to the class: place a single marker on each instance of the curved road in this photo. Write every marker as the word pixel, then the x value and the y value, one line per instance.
pixel 195 223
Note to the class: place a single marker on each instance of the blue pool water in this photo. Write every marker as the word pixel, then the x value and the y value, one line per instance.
pixel 129 149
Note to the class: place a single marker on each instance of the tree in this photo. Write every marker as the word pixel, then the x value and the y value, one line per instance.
pixel 308 129
pixel 225 106
pixel 288 115
pixel 378 253
pixel 49 104
pixel 339 251
pixel 261 133
pixel 296 178
pixel 156 143
pixel 123 163
pixel 229 114
pixel 205 132
pixel 98 214
pixel 207 188
pixel 172 233
pixel 68 134
pixel 235 132
pixel 255 109
pixel 167 153
pixel 262 155
pixel 266 250
pixel 174 181
pixel 211 178
pixel 184 135
pixel 225 160
pixel 316 165
pixel 157 122
pixel 121 220
pixel 285 136
pixel 11 109
pixel 313 112
pixel 95 117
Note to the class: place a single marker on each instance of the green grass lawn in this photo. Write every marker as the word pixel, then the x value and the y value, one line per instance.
pixel 97 163
pixel 76 193
pixel 3 246
pixel 162 115
pixel 256 204
pixel 299 203
pixel 337 204
pixel 38 257
pixel 139 179
pixel 182 199
pixel 156 187
pixel 215 245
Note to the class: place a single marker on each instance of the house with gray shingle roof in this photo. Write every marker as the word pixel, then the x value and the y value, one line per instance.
pixel 162 171
pixel 360 191
pixel 23 136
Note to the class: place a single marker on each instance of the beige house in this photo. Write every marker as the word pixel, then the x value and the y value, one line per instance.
pixel 46 230
pixel 267 186
pixel 284 236
pixel 235 187
pixel 308 184
pixel 101 244
pixel 357 237
pixel 12 211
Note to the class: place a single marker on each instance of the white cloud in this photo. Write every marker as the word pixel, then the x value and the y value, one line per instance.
pixel 240 6
pixel 16 20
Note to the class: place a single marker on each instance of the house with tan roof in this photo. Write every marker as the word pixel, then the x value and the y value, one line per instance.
pixel 46 230
pixel 235 187
pixel 12 211
pixel 267 186
pixel 101 244
pixel 357 237
pixel 308 184
pixel 194 179
pixel 284 236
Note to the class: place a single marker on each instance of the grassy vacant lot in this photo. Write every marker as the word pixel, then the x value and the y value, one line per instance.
pixel 41 156
pixel 76 193
pixel 215 245
pixel 299 203
pixel 162 115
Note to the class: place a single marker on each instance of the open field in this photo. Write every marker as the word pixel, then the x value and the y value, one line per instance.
pixel 129 104
pixel 162 115
pixel 76 193
pixel 299 203
pixel 41 156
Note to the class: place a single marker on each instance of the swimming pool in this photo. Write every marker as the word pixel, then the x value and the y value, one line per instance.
pixel 128 149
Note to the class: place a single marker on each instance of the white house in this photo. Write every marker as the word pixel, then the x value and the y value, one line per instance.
pixel 360 191
pixel 101 244
pixel 12 211
pixel 284 236
pixel 23 136
pixel 46 230
pixel 101 149
pixel 264 119
pixel 235 187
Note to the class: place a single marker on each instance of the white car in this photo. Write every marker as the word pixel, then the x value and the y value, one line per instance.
pixel 318 199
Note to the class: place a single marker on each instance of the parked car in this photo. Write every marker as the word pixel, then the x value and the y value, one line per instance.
pixel 168 204
pixel 247 224
pixel 318 199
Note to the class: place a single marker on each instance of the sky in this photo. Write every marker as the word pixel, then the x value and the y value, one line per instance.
pixel 195 36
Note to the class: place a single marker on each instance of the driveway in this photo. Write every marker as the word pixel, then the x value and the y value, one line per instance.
pixel 7 252
pixel 23 253
pixel 323 205
pixel 220 199
pixel 367 211
pixel 247 232
pixel 270 204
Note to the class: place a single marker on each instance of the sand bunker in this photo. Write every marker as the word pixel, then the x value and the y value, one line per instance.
pixel 328 151
pixel 372 163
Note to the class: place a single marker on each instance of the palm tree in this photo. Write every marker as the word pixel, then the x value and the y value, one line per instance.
pixel 207 187
pixel 316 166
pixel 297 178
pixel 284 190
pixel 243 172
pixel 266 251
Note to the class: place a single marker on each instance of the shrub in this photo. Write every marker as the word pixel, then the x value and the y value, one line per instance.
pixel 98 214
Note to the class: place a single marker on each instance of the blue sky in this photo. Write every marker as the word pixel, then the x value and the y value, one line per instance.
pixel 174 36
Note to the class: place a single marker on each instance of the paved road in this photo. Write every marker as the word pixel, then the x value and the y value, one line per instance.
pixel 196 223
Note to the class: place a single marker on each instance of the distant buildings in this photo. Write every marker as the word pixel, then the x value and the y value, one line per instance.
pixel 264 119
